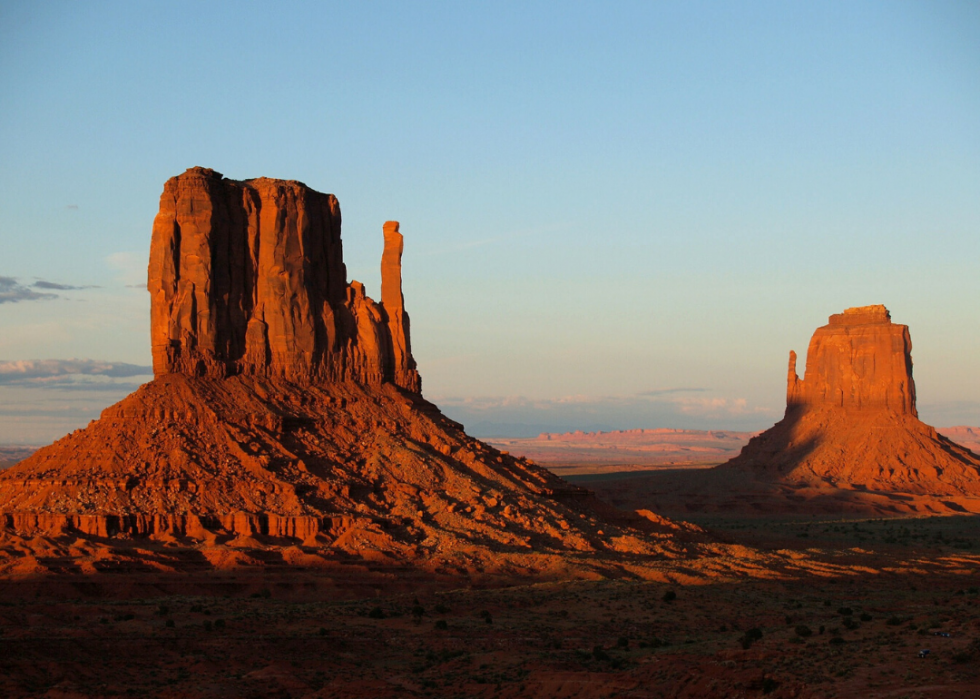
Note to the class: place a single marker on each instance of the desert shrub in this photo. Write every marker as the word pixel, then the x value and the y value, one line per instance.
pixel 599 654
pixel 803 631
pixel 207 625
pixel 669 596
pixel 623 642
pixel 418 610
pixel 845 611
pixel 486 616
pixel 850 623
pixel 894 621
pixel 750 637
pixel 866 617
pixel 442 625
pixel 163 610
pixel 441 609
pixel 170 623
pixel 836 641
pixel 219 624
pixel 376 613
pixel 769 685
pixel 323 631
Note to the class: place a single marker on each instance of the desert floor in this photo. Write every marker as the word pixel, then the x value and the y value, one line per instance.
pixel 359 632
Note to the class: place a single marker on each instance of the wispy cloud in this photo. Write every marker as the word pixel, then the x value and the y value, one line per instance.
pixel 12 291
pixel 54 286
pixel 88 374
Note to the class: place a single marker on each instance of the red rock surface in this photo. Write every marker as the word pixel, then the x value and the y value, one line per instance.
pixel 859 361
pixel 852 422
pixel 249 278
pixel 286 411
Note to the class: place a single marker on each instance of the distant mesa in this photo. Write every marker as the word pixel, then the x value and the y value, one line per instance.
pixel 851 422
pixel 286 410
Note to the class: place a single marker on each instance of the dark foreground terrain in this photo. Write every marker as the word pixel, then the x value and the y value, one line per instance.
pixel 911 585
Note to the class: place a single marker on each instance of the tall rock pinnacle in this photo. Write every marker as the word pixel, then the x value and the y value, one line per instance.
pixel 249 278
pixel 404 371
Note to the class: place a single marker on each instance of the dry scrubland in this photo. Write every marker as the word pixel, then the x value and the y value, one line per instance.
pixel 912 585
pixel 281 513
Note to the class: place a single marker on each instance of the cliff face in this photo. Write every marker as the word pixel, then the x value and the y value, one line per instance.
pixel 249 278
pixel 859 361
pixel 852 421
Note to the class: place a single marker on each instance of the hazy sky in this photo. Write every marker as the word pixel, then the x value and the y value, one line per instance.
pixel 616 214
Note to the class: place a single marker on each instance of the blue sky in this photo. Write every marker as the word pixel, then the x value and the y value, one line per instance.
pixel 616 215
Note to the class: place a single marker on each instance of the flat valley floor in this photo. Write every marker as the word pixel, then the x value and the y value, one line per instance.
pixel 913 586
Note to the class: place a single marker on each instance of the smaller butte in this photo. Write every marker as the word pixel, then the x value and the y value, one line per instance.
pixel 852 423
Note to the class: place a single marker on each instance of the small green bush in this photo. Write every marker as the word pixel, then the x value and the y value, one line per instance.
pixel 803 631
pixel 669 596
pixel 376 613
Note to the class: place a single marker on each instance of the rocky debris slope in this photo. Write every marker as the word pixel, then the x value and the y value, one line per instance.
pixel 286 410
pixel 852 421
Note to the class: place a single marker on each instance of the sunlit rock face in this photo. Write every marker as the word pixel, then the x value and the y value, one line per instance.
pixel 852 422
pixel 248 277
pixel 286 405
pixel 860 360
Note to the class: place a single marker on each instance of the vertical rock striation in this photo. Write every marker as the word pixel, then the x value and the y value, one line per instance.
pixel 249 278
pixel 403 365
pixel 860 360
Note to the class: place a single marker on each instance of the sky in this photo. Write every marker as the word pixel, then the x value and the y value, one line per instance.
pixel 616 215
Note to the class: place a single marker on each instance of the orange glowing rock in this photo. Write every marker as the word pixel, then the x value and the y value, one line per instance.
pixel 852 421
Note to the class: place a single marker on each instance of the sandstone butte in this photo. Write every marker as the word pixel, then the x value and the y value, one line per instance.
pixel 852 423
pixel 286 411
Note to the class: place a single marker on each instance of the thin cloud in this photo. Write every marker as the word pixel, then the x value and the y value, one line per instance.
pixel 71 207
pixel 87 374
pixel 54 286
pixel 668 391
pixel 12 291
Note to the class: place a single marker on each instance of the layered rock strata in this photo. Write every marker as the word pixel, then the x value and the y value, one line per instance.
pixel 287 406
pixel 852 420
